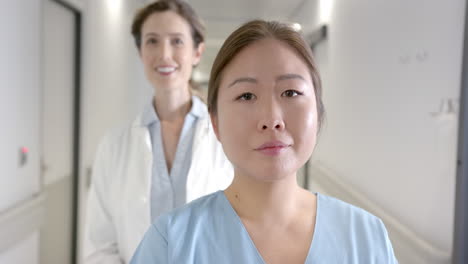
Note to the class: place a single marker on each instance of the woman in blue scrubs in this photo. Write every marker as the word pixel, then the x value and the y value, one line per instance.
pixel 265 104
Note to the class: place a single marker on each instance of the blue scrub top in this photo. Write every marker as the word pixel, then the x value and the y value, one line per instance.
pixel 208 230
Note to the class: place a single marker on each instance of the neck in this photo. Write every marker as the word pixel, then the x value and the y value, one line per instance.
pixel 172 105
pixel 255 200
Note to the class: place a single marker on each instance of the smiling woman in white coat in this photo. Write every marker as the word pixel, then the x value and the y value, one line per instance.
pixel 169 154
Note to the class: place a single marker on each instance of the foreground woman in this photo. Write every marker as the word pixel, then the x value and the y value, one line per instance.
pixel 266 108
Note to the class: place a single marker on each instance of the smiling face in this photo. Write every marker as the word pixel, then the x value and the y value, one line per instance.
pixel 167 51
pixel 266 116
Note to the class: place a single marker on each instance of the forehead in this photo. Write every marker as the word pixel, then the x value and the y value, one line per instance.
pixel 265 60
pixel 165 22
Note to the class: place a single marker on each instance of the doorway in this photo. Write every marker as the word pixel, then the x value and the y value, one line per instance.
pixel 60 131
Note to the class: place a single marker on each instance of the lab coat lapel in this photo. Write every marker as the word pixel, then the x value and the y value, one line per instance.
pixel 197 182
pixel 138 185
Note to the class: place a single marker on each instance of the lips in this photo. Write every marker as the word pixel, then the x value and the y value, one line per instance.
pixel 272 148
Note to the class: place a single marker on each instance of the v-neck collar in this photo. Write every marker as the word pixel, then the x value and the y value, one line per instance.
pixel 197 110
pixel 252 244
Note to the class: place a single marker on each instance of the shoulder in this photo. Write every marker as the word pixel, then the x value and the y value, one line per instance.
pixel 347 215
pixel 190 216
pixel 117 137
pixel 333 207
pixel 186 230
pixel 353 227
pixel 196 210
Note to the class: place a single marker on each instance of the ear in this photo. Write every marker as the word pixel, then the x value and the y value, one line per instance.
pixel 198 53
pixel 214 123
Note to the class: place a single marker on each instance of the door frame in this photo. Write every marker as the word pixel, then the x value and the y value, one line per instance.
pixel 460 235
pixel 77 16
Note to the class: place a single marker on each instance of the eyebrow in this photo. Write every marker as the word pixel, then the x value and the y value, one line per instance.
pixel 289 76
pixel 242 79
pixel 156 34
pixel 282 77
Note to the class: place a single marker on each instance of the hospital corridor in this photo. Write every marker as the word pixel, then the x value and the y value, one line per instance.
pixel 74 74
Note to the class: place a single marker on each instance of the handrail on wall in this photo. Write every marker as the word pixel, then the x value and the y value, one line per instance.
pixel 20 221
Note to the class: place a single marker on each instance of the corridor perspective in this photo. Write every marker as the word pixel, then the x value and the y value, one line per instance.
pixel 394 140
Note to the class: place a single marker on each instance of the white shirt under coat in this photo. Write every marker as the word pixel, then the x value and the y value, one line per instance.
pixel 168 186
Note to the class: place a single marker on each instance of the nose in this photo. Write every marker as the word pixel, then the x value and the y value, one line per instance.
pixel 271 118
pixel 274 124
pixel 164 50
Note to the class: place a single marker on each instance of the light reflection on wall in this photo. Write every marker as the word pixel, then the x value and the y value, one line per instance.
pixel 326 7
pixel 114 7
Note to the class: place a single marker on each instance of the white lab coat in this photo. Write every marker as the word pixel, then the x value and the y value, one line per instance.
pixel 118 212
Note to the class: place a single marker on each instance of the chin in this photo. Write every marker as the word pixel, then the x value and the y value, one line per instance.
pixel 273 173
pixel 266 170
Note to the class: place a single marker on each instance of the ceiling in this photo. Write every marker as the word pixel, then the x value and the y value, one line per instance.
pixel 222 17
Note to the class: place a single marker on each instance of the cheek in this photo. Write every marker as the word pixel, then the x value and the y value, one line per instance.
pixel 184 56
pixel 234 127
pixel 147 58
pixel 304 124
pixel 230 123
pixel 311 121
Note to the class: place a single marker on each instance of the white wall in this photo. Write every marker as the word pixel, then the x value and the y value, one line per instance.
pixel 386 68
pixel 20 76
pixel 25 252
pixel 113 83
pixel 107 98
pixel 19 100
pixel 58 70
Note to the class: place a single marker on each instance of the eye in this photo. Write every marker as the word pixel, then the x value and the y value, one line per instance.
pixel 177 41
pixel 246 97
pixel 151 41
pixel 291 93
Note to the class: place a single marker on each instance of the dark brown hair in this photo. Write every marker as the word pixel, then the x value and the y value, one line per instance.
pixel 178 6
pixel 250 33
